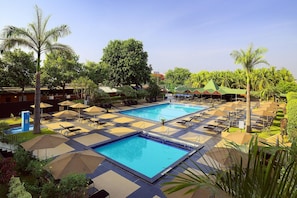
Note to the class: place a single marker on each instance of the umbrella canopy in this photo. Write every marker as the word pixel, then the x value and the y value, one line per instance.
pixel 264 113
pixel 76 162
pixel 65 114
pixel 228 156
pixel 93 109
pixel 226 108
pixel 43 105
pixel 79 106
pixel 239 137
pixel 218 113
pixel 66 103
pixel 44 142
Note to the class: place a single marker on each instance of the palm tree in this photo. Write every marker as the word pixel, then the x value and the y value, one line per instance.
pixel 37 38
pixel 266 172
pixel 249 59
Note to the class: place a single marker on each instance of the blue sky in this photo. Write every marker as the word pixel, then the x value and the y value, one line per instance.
pixel 194 34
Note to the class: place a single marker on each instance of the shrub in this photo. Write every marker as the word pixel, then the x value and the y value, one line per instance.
pixel 7 169
pixel 3 126
pixel 73 185
pixel 17 189
pixel 22 159
pixel 49 190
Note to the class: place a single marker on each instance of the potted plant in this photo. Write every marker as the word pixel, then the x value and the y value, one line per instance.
pixel 163 121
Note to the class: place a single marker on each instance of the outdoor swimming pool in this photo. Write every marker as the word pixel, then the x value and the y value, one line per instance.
pixel 16 130
pixel 167 111
pixel 144 157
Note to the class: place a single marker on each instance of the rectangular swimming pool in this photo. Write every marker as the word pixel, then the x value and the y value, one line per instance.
pixel 142 156
pixel 167 111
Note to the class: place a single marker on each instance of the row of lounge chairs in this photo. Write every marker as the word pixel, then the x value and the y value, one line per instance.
pixel 130 102
pixel 70 129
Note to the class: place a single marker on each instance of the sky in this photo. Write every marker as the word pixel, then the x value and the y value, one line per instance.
pixel 193 34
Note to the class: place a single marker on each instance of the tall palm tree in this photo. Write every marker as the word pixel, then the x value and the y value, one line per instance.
pixel 249 59
pixel 37 38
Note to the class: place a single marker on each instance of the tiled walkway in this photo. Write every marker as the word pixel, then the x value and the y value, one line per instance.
pixel 118 182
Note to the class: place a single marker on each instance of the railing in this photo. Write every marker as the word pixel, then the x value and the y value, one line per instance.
pixel 8 142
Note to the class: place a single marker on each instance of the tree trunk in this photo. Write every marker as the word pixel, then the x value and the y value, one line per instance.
pixel 248 107
pixel 37 98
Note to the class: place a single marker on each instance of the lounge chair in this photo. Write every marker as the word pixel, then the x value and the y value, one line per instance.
pixel 70 129
pixel 100 194
pixel 185 122
pixel 196 117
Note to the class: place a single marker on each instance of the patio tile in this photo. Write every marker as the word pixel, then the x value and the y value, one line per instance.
pixel 90 139
pixel 165 130
pixel 115 184
pixel 142 124
pixel 119 131
pixel 123 120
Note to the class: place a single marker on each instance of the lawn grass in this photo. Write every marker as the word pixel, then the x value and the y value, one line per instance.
pixel 23 137
pixel 273 130
pixel 14 120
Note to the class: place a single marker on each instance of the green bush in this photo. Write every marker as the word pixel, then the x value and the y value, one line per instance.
pixel 17 189
pixel 73 186
pixel 49 190
pixel 22 159
pixel 291 115
pixel 3 126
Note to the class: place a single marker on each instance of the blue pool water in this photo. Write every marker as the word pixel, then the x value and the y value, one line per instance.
pixel 142 155
pixel 167 111
pixel 16 130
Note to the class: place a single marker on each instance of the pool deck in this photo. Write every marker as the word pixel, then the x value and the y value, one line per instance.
pixel 115 180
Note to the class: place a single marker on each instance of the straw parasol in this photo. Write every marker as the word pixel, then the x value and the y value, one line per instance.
pixel 93 110
pixel 227 156
pixel 242 137
pixel 79 106
pixel 65 114
pixel 43 105
pixel 76 162
pixel 66 103
pixel 44 142
pixel 218 113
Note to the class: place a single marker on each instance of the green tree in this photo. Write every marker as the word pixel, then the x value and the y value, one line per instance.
pixel 20 68
pixel 59 69
pixel 177 76
pixel 249 59
pixel 97 72
pixel 37 38
pixel 153 90
pixel 127 63
pixel 286 87
pixel 85 86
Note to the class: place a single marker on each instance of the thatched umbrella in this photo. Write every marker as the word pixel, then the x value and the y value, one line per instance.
pixel 79 106
pixel 66 103
pixel 66 114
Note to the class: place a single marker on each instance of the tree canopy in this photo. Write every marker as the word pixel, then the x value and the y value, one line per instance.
pixel 59 69
pixel 18 68
pixel 127 62
pixel 177 76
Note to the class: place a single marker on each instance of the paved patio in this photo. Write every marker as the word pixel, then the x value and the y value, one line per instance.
pixel 115 180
